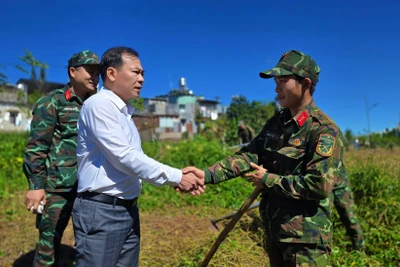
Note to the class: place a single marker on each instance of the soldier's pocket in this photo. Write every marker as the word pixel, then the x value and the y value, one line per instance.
pixel 290 224
pixel 290 158
pixel 313 255
pixel 68 125
pixel 314 233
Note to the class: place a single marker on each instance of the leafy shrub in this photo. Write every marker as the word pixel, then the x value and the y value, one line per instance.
pixel 12 178
pixel 374 176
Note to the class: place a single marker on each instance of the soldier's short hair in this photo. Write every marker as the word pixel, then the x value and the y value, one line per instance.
pixel 300 79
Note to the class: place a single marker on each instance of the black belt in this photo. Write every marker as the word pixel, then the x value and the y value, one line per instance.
pixel 99 197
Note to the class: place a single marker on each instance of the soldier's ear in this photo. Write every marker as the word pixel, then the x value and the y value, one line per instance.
pixel 72 72
pixel 307 84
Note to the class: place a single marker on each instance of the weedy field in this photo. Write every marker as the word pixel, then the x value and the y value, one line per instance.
pixel 176 230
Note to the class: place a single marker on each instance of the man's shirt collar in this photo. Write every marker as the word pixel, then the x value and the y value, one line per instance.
pixel 125 107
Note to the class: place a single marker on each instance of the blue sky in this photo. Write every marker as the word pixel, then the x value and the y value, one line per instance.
pixel 221 46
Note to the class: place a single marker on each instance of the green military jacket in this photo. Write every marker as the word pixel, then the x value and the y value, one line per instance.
pixel 303 158
pixel 50 156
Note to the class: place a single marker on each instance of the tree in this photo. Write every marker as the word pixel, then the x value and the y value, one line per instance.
pixel 137 103
pixel 261 112
pixel 348 135
pixel 223 129
pixel 3 77
pixel 34 97
pixel 239 108
pixel 35 65
pixel 254 113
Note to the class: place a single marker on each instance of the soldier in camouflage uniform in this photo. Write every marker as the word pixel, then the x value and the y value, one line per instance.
pixel 50 155
pixel 295 159
pixel 245 133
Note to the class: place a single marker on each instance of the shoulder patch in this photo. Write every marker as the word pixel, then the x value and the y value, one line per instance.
pixel 325 145
pixel 322 118
pixel 302 118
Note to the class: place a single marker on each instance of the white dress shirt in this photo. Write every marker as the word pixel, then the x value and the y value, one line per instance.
pixel 109 153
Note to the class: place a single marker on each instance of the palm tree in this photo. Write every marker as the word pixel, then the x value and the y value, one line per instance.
pixel 3 77
pixel 34 64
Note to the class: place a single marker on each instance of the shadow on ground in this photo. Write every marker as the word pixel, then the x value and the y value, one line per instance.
pixel 67 258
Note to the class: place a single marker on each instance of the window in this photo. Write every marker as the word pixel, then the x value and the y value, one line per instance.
pixel 13 117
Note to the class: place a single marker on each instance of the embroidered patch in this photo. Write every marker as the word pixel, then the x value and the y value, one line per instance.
pixel 325 145
pixel 295 142
pixel 302 118
pixel 69 109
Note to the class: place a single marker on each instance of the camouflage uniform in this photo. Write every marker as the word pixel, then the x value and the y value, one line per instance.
pixel 50 161
pixel 245 133
pixel 303 157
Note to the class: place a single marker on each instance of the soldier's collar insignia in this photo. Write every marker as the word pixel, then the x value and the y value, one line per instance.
pixel 68 94
pixel 295 142
pixel 302 118
pixel 325 145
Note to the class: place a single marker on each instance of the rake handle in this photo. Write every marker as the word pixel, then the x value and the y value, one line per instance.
pixel 224 233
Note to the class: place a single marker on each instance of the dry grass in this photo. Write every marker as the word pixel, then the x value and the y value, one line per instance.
pixel 386 159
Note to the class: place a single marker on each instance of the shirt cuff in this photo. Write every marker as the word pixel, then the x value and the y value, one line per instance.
pixel 36 184
pixel 264 178
pixel 208 178
pixel 175 176
pixel 270 179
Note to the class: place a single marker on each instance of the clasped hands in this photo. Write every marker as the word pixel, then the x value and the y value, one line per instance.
pixel 193 179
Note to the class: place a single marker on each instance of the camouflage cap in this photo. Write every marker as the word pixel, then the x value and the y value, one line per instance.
pixel 294 62
pixel 85 57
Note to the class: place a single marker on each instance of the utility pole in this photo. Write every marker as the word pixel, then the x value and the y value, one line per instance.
pixel 398 127
pixel 368 108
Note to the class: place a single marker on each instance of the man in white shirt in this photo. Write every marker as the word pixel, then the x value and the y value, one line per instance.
pixel 112 166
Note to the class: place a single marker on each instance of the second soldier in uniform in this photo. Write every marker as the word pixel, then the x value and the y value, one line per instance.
pixel 50 158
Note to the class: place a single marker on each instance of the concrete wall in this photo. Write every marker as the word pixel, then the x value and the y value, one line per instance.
pixel 13 118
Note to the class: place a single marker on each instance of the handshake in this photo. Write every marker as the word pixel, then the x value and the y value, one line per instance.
pixel 192 181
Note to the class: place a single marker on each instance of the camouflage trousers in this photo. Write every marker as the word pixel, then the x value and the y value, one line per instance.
pixel 51 225
pixel 293 254
pixel 298 255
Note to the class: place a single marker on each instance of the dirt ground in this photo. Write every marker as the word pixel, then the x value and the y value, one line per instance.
pixel 171 234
